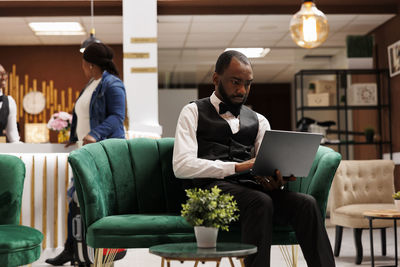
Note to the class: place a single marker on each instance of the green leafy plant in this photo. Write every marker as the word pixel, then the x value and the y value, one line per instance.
pixel 369 130
pixel 396 195
pixel 359 45
pixel 369 134
pixel 311 88
pixel 209 208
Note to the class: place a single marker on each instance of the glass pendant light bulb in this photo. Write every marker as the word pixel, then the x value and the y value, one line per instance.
pixel 309 27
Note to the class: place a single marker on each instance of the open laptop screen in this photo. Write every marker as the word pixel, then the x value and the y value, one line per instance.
pixel 290 152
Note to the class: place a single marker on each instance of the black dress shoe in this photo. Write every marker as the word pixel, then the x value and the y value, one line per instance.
pixel 62 258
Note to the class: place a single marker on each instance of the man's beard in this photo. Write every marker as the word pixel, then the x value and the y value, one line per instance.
pixel 225 97
pixel 2 85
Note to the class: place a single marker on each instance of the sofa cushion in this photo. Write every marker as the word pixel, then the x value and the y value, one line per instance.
pixel 19 245
pixel 133 231
pixel 352 215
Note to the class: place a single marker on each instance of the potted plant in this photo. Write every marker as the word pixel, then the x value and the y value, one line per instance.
pixel 207 211
pixel 311 88
pixel 359 51
pixel 369 134
pixel 396 197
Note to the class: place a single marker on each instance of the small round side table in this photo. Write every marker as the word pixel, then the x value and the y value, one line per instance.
pixel 382 215
pixel 190 252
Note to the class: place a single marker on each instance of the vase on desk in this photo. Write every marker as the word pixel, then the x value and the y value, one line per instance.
pixel 63 136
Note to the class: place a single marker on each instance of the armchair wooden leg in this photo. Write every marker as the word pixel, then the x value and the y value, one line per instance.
pixel 290 257
pixel 383 241
pixel 338 239
pixel 359 249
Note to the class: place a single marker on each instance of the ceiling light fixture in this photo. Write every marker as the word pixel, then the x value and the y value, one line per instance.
pixel 57 28
pixel 252 52
pixel 92 38
pixel 309 26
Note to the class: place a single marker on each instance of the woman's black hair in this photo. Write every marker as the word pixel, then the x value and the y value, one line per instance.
pixel 101 55
pixel 225 58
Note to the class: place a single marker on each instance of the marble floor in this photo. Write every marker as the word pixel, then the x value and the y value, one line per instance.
pixel 142 258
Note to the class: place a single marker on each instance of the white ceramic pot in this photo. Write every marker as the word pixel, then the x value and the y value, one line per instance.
pixel 206 237
pixel 397 203
pixel 360 63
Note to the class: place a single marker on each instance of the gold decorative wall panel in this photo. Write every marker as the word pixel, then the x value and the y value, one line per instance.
pixel 56 99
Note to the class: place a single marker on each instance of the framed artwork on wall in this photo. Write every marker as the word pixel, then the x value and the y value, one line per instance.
pixel 36 133
pixel 394 58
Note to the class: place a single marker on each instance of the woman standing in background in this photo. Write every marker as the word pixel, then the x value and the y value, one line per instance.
pixel 98 114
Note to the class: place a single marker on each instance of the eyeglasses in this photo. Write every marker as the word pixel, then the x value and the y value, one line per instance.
pixel 3 75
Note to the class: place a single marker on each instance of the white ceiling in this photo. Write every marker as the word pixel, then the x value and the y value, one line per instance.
pixel 189 45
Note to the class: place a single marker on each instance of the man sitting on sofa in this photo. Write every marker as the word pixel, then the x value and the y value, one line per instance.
pixel 218 136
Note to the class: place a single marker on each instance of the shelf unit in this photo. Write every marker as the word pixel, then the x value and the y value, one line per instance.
pixel 342 113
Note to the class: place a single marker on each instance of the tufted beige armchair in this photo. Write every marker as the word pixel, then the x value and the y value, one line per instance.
pixel 358 186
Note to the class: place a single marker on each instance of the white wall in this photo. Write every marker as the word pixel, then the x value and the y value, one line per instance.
pixel 170 103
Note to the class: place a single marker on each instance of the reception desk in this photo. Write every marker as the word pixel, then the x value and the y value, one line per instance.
pixel 44 204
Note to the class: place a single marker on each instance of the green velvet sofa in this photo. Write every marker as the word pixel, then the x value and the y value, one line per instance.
pixel 130 198
pixel 19 245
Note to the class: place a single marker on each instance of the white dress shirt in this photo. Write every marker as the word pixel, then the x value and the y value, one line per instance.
pixel 185 162
pixel 11 129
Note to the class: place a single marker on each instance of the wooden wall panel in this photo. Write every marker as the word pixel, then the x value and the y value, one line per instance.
pixel 60 64
pixel 386 35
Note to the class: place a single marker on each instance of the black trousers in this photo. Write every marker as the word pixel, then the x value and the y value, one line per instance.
pixel 258 212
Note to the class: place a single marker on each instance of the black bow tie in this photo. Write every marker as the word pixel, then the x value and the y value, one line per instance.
pixel 223 108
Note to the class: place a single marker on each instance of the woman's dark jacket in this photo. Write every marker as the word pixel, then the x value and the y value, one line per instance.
pixel 107 110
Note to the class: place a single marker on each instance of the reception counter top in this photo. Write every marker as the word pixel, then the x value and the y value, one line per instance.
pixel 35 148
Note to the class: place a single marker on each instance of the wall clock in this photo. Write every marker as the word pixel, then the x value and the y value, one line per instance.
pixel 34 102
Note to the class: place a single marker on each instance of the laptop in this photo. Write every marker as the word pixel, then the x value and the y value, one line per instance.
pixel 292 153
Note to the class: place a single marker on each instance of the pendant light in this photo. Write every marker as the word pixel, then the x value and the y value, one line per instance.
pixel 309 26
pixel 92 38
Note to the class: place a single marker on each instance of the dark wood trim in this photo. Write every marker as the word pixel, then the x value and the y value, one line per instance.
pixel 193 7
pixel 56 8
pixel 170 9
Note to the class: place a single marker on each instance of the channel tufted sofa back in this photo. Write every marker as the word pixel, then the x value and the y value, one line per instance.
pixel 127 177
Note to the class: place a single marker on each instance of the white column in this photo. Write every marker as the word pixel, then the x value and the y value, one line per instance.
pixel 140 67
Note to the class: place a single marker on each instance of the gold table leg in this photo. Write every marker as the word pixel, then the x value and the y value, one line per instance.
pixel 231 261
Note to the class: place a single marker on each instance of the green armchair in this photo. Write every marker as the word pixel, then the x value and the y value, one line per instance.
pixel 130 198
pixel 19 245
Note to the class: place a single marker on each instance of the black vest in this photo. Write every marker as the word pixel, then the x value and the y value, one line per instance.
pixel 215 138
pixel 4 111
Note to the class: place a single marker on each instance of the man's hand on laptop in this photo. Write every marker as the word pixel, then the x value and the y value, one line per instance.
pixel 245 165
pixel 277 181
pixel 270 183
